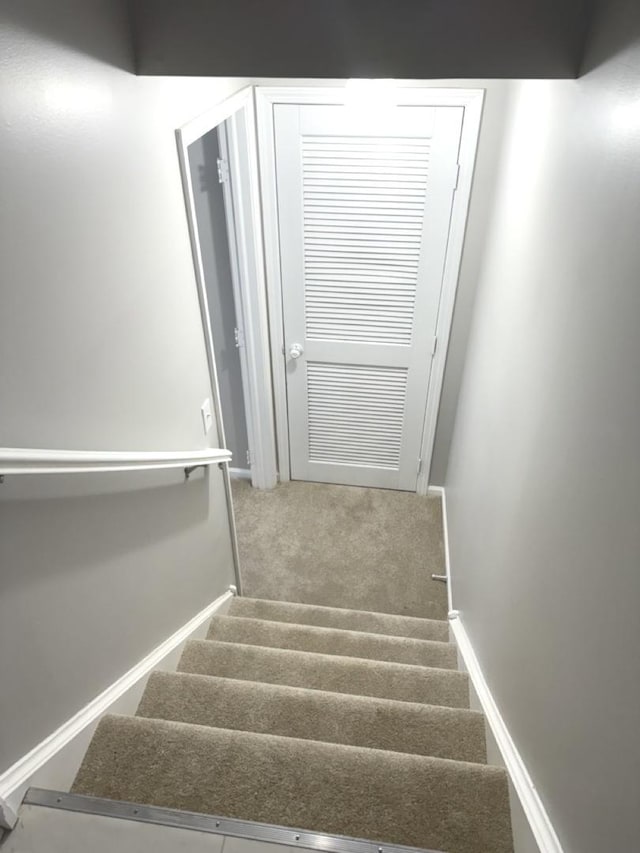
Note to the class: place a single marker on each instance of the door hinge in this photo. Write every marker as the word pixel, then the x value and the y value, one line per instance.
pixel 238 336
pixel 249 458
pixel 223 171
pixel 419 464
pixel 434 346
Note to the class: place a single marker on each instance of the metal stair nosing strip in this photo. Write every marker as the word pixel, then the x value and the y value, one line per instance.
pixel 213 824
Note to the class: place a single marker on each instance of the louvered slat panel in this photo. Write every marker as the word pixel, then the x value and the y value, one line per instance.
pixel 363 202
pixel 355 414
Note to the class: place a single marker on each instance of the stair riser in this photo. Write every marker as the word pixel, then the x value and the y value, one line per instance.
pixel 330 641
pixel 315 715
pixel 333 617
pixel 326 672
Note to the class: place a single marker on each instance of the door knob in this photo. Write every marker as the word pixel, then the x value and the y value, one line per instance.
pixel 295 351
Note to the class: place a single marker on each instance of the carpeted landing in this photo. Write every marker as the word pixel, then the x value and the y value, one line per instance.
pixel 324 719
pixel 368 549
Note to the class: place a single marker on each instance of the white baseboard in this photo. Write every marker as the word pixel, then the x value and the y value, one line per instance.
pixel 239 473
pixel 53 763
pixel 533 807
pixel 534 830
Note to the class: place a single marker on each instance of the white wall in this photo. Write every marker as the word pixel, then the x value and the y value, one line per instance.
pixel 543 487
pixel 101 346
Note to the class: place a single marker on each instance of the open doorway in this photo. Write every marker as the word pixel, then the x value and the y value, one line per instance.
pixel 218 162
pixel 209 173
pixel 341 346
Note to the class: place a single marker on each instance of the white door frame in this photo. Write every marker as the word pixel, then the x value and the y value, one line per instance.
pixel 242 205
pixel 266 97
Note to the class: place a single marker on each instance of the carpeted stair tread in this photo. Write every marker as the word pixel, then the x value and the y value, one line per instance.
pixel 315 715
pixel 332 641
pixel 336 617
pixel 333 673
pixel 389 797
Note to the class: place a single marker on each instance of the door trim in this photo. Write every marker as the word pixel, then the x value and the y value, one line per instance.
pixel 243 197
pixel 266 98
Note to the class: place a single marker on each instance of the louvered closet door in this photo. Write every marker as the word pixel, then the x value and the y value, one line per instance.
pixel 364 206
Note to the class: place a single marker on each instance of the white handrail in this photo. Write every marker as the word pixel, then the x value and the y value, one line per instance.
pixel 15 460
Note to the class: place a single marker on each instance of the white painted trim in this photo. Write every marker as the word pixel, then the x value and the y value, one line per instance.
pixel 22 460
pixel 232 220
pixel 15 781
pixel 530 802
pixel 266 97
pixel 532 805
pixel 8 816
pixel 472 100
pixel 251 296
pixel 234 265
pixel 268 192
pixel 240 473
pixel 420 95
pixel 215 116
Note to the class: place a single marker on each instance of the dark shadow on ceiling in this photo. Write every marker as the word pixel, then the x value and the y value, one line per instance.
pixel 614 33
pixel 412 39
pixel 97 28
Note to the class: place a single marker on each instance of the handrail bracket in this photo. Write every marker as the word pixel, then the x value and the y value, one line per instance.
pixel 189 469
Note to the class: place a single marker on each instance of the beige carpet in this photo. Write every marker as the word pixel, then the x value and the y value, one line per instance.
pixel 311 731
pixel 414 800
pixel 276 709
pixel 332 641
pixel 334 673
pixel 342 546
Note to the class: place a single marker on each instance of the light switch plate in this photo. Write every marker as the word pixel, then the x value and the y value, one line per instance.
pixel 207 417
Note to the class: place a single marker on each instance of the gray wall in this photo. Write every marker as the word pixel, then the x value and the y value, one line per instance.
pixel 101 347
pixel 543 485
pixel 214 247
pixel 494 115
pixel 360 38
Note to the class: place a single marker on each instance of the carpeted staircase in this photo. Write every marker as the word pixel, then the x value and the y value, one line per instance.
pixel 329 720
